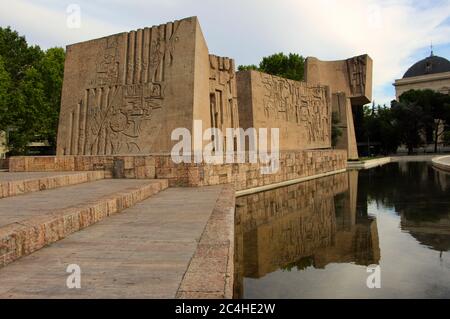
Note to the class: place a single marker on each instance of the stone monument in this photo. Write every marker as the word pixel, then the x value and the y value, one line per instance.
pixel 301 111
pixel 350 82
pixel 126 93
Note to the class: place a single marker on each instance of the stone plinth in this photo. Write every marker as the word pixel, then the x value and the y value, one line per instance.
pixel 293 165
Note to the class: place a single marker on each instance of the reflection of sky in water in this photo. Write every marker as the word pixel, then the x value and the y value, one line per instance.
pixel 409 269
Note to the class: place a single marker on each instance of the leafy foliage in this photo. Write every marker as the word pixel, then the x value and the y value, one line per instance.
pixel 379 126
pixel 446 137
pixel 30 91
pixel 409 119
pixel 248 67
pixel 290 66
pixel 435 109
pixel 419 117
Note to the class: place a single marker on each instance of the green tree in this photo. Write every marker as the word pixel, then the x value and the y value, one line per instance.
pixel 446 137
pixel 30 93
pixel 388 134
pixel 378 127
pixel 291 66
pixel 17 55
pixel 248 67
pixel 5 86
pixel 436 110
pixel 409 119
pixel 51 73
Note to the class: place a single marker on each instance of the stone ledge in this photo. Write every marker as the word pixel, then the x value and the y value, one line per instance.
pixel 286 183
pixel 24 186
pixel 369 163
pixel 25 237
pixel 391 159
pixel 293 165
pixel 211 271
pixel 442 162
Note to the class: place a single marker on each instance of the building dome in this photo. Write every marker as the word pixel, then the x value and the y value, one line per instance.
pixel 431 65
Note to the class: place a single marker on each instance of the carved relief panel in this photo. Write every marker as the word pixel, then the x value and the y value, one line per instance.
pixel 223 93
pixel 115 113
pixel 357 74
pixel 306 107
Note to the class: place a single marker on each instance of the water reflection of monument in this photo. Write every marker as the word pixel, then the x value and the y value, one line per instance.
pixel 309 224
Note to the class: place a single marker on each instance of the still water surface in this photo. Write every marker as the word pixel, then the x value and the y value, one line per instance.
pixel 316 239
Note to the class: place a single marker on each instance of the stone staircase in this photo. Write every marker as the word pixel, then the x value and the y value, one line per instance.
pixel 40 208
pixel 13 184
pixel 178 243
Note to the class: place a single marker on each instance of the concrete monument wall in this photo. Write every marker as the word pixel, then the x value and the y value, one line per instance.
pixel 125 93
pixel 301 111
pixel 350 82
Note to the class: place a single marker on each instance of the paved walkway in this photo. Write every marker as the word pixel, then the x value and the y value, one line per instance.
pixel 142 252
pixel 15 209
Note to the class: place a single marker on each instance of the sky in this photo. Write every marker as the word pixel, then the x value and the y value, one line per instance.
pixel 395 33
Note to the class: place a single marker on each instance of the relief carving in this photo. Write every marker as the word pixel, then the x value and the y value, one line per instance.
pixel 357 74
pixel 108 63
pixel 115 111
pixel 223 93
pixel 298 103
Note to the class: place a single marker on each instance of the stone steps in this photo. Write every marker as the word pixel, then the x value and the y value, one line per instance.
pixel 34 220
pixel 13 184
pixel 178 243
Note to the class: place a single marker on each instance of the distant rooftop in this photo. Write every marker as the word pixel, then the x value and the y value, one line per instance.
pixel 430 65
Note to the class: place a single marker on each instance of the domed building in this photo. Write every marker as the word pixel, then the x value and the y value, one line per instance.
pixel 431 73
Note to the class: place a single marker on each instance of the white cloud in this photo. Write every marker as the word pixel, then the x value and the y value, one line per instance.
pixel 47 26
pixel 389 31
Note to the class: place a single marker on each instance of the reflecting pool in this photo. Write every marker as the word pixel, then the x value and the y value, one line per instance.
pixel 316 239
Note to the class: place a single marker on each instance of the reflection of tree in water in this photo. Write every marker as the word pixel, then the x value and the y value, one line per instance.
pixel 300 264
pixel 418 193
pixel 415 190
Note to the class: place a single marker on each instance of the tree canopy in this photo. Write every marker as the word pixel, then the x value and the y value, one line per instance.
pixel 419 117
pixel 30 91
pixel 435 110
pixel 378 126
pixel 291 66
